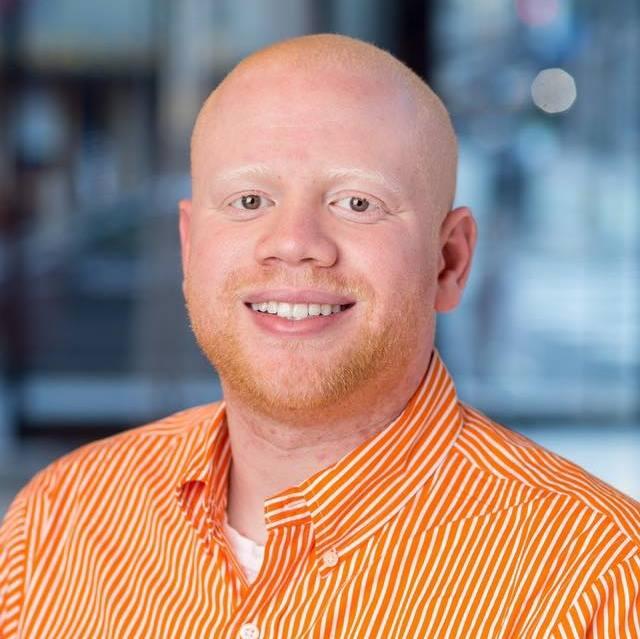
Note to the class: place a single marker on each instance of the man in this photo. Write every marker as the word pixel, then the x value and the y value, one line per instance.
pixel 340 488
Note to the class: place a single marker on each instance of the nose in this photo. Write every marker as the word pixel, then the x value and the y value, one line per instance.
pixel 297 231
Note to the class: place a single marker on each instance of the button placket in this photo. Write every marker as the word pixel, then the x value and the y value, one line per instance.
pixel 330 558
pixel 249 631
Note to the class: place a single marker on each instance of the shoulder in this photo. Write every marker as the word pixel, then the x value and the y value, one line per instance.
pixel 154 449
pixel 105 480
pixel 508 455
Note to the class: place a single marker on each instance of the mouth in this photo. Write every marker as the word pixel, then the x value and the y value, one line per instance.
pixel 300 326
pixel 290 312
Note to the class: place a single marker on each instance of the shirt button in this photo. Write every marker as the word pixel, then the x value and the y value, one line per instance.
pixel 249 631
pixel 330 557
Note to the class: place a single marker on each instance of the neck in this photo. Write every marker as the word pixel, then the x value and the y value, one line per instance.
pixel 269 456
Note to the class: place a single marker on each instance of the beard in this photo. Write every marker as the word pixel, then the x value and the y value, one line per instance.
pixel 294 379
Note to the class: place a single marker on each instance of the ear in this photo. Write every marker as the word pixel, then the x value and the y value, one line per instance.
pixel 184 207
pixel 458 235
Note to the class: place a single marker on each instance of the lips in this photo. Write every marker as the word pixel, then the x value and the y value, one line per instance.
pixel 311 326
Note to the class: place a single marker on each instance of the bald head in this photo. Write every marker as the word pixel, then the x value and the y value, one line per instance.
pixel 320 56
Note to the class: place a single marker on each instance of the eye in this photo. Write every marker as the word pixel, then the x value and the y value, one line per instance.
pixel 359 204
pixel 251 201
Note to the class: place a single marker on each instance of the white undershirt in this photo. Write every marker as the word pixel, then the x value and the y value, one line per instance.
pixel 248 553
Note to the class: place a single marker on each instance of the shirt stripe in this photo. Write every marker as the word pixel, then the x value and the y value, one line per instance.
pixel 444 524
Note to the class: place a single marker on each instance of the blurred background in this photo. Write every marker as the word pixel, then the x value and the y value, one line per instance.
pixel 97 101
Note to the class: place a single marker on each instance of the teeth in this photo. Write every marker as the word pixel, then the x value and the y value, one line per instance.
pixel 300 311
pixel 284 309
pixel 296 311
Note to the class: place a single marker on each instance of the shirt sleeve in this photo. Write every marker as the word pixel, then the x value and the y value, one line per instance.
pixel 609 608
pixel 13 555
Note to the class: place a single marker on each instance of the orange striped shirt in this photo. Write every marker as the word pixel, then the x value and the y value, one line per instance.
pixel 445 524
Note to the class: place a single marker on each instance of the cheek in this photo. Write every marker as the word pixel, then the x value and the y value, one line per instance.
pixel 203 265
pixel 211 254
pixel 397 267
pixel 205 280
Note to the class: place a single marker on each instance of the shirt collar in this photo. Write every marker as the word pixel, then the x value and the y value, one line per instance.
pixel 349 500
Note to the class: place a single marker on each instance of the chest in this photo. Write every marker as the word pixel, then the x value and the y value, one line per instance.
pixel 477 577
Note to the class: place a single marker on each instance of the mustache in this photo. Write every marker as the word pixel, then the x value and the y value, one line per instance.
pixel 240 287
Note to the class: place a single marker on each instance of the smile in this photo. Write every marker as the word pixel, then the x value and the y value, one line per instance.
pixel 298 319
pixel 299 311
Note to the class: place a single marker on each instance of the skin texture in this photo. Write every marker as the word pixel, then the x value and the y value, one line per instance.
pixel 306 125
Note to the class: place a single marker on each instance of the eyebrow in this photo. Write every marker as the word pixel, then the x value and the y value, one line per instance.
pixel 363 174
pixel 250 170
pixel 263 171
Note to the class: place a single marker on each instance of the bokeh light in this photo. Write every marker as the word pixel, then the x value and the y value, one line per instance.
pixel 536 13
pixel 553 90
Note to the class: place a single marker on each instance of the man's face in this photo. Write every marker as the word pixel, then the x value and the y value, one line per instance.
pixel 301 146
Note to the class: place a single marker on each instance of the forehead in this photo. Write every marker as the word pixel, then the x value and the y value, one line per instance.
pixel 302 114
